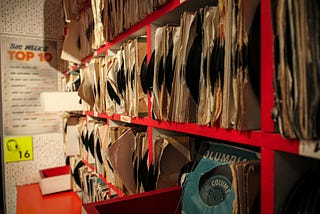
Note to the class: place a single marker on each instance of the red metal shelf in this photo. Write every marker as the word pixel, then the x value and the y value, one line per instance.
pixel 255 138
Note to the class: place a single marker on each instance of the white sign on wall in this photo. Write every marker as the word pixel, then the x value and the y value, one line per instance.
pixel 28 68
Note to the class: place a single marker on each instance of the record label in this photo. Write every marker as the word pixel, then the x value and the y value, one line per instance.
pixel 215 190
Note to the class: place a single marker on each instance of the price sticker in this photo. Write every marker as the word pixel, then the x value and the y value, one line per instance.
pixel 18 148
pixel 124 118
pixel 310 148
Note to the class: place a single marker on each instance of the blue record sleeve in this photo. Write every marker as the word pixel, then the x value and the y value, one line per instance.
pixel 208 188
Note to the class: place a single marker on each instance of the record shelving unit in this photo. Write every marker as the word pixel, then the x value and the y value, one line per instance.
pixel 282 160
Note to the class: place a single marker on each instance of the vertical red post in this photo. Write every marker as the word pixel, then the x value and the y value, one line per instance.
pixel 267 67
pixel 149 52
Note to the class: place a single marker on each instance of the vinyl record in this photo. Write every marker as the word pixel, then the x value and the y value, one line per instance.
pixel 150 71
pixel 75 174
pixel 112 94
pixel 76 83
pixel 143 172
pixel 292 203
pixel 214 64
pixel 316 205
pixel 91 143
pixel 160 73
pixel 205 70
pixel 132 77
pixel 169 70
pixel 193 67
pixel 121 80
pixel 84 139
pixel 143 75
pixel 306 192
pixel 98 151
pixel 254 54
pixel 215 185
pixel 146 174
pixel 314 187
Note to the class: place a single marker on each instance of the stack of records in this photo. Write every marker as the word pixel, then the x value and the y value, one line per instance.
pixel 296 26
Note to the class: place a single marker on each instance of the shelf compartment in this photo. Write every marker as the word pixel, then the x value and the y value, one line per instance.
pixel 288 169
pixel 110 185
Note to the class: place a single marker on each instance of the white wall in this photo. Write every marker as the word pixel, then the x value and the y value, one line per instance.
pixel 42 19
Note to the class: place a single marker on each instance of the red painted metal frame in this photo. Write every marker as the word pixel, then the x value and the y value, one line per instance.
pixel 149 53
pixel 267 65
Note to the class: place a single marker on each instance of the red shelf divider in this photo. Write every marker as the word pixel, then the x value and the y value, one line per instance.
pixel 267 92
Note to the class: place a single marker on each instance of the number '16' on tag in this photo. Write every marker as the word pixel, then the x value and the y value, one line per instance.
pixel 18 148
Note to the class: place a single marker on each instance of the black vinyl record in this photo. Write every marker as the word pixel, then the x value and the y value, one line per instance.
pixel 91 143
pixel 312 194
pixel 215 184
pixel 193 67
pixel 84 139
pixel 217 63
pixel 132 77
pixel 294 202
pixel 121 80
pixel 254 54
pixel 98 151
pixel 160 73
pixel 150 72
pixel 147 175
pixel 75 174
pixel 169 70
pixel 143 75
pixel 112 94
pixel 316 205
pixel 143 173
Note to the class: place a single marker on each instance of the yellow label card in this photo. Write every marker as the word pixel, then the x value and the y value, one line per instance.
pixel 18 148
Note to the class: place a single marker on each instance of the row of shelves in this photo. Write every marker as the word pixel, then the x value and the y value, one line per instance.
pixel 266 136
pixel 280 158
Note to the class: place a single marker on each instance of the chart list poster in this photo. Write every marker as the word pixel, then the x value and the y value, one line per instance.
pixel 28 68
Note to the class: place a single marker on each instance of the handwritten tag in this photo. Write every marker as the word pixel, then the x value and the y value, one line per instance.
pixel 18 148
pixel 310 148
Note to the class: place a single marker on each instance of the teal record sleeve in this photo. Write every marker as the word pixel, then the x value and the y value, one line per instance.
pixel 208 188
